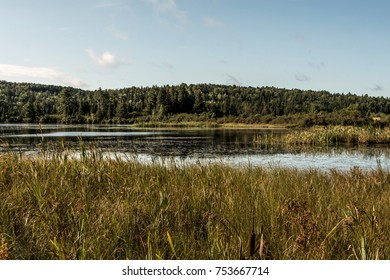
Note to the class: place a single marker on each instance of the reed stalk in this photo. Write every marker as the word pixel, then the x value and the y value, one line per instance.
pixel 58 206
pixel 327 136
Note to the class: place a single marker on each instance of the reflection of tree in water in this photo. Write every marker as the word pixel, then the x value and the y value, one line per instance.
pixel 185 144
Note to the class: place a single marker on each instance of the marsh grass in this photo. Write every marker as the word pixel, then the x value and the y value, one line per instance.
pixel 184 124
pixel 328 135
pixel 55 206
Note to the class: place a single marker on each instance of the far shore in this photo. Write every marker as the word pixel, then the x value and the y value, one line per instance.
pixel 212 125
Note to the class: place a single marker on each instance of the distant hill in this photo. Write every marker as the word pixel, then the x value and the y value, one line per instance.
pixel 28 102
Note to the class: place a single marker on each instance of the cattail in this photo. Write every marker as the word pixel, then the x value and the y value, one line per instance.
pixel 240 251
pixel 252 240
pixel 262 247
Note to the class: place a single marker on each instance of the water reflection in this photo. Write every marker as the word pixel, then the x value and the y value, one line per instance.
pixel 67 134
pixel 234 147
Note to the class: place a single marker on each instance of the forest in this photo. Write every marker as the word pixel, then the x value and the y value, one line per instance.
pixel 37 103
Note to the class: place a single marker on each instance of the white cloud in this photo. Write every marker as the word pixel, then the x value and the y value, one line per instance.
pixel 213 23
pixel 168 12
pixel 106 59
pixel 52 74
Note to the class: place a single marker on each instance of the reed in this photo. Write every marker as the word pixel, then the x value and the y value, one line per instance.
pixel 58 206
pixel 328 135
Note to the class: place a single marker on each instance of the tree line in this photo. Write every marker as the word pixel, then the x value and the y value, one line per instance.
pixel 37 103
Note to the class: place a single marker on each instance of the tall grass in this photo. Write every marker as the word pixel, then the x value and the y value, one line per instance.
pixel 58 207
pixel 329 135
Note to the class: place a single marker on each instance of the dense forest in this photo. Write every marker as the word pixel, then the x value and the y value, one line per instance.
pixel 27 102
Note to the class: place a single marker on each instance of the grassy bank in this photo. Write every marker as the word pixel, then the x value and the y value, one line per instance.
pixel 329 135
pixel 176 125
pixel 60 208
pixel 204 124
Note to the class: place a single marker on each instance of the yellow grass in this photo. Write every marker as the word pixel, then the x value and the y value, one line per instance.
pixel 56 207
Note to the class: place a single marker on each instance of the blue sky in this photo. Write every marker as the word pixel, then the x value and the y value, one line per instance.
pixel 334 45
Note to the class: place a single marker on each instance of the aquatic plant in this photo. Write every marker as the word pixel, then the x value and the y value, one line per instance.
pixel 328 135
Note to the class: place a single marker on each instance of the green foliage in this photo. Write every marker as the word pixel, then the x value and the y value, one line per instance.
pixel 41 103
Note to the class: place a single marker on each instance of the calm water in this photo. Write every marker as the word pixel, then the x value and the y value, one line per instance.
pixel 235 147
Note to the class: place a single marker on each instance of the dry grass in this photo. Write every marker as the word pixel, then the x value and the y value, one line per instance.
pixel 328 135
pixel 56 207
pixel 339 134
pixel 4 255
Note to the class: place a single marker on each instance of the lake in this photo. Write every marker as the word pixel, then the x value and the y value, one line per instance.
pixel 232 146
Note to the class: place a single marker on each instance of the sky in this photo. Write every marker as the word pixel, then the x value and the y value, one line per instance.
pixel 336 45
